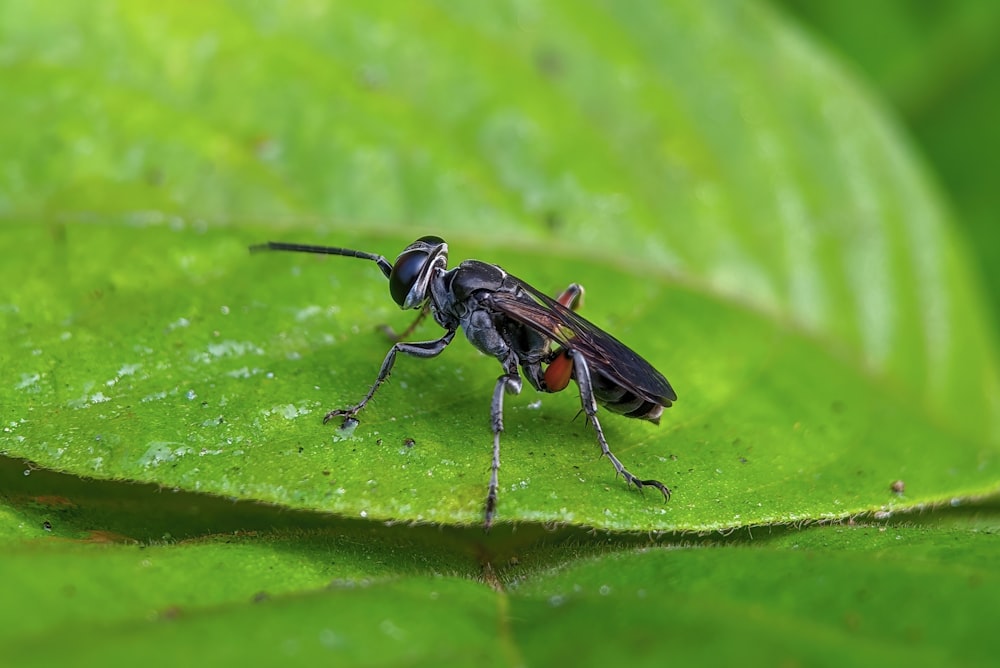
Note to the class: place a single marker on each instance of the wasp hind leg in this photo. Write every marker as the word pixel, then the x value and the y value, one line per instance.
pixel 420 349
pixel 582 375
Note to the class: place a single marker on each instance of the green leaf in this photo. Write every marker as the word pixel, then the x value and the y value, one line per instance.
pixel 938 66
pixel 343 589
pixel 811 311
pixel 203 368
pixel 822 597
pixel 741 213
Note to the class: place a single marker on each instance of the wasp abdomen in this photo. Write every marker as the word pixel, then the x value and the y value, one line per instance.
pixel 618 399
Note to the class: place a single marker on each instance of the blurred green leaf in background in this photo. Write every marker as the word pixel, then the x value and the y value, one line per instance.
pixel 938 66
pixel 742 211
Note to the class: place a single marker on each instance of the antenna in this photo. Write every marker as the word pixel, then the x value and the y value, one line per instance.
pixel 382 263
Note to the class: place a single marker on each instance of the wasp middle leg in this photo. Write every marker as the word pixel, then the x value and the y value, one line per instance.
pixel 395 337
pixel 508 383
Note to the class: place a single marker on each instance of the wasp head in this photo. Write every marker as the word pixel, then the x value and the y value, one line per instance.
pixel 409 282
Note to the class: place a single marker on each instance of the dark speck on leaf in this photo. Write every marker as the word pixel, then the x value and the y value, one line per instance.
pixel 171 612
pixel 549 62
pixel 553 221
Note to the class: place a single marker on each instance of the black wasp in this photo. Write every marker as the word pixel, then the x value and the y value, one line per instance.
pixel 505 317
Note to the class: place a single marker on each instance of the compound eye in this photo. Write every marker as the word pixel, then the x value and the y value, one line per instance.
pixel 405 273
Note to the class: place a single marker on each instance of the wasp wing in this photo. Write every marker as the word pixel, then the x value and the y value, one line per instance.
pixel 604 352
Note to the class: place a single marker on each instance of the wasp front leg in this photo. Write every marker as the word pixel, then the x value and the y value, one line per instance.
pixel 581 371
pixel 421 349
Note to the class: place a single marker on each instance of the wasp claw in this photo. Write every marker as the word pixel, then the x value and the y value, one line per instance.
pixel 491 506
pixel 658 485
pixel 347 415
